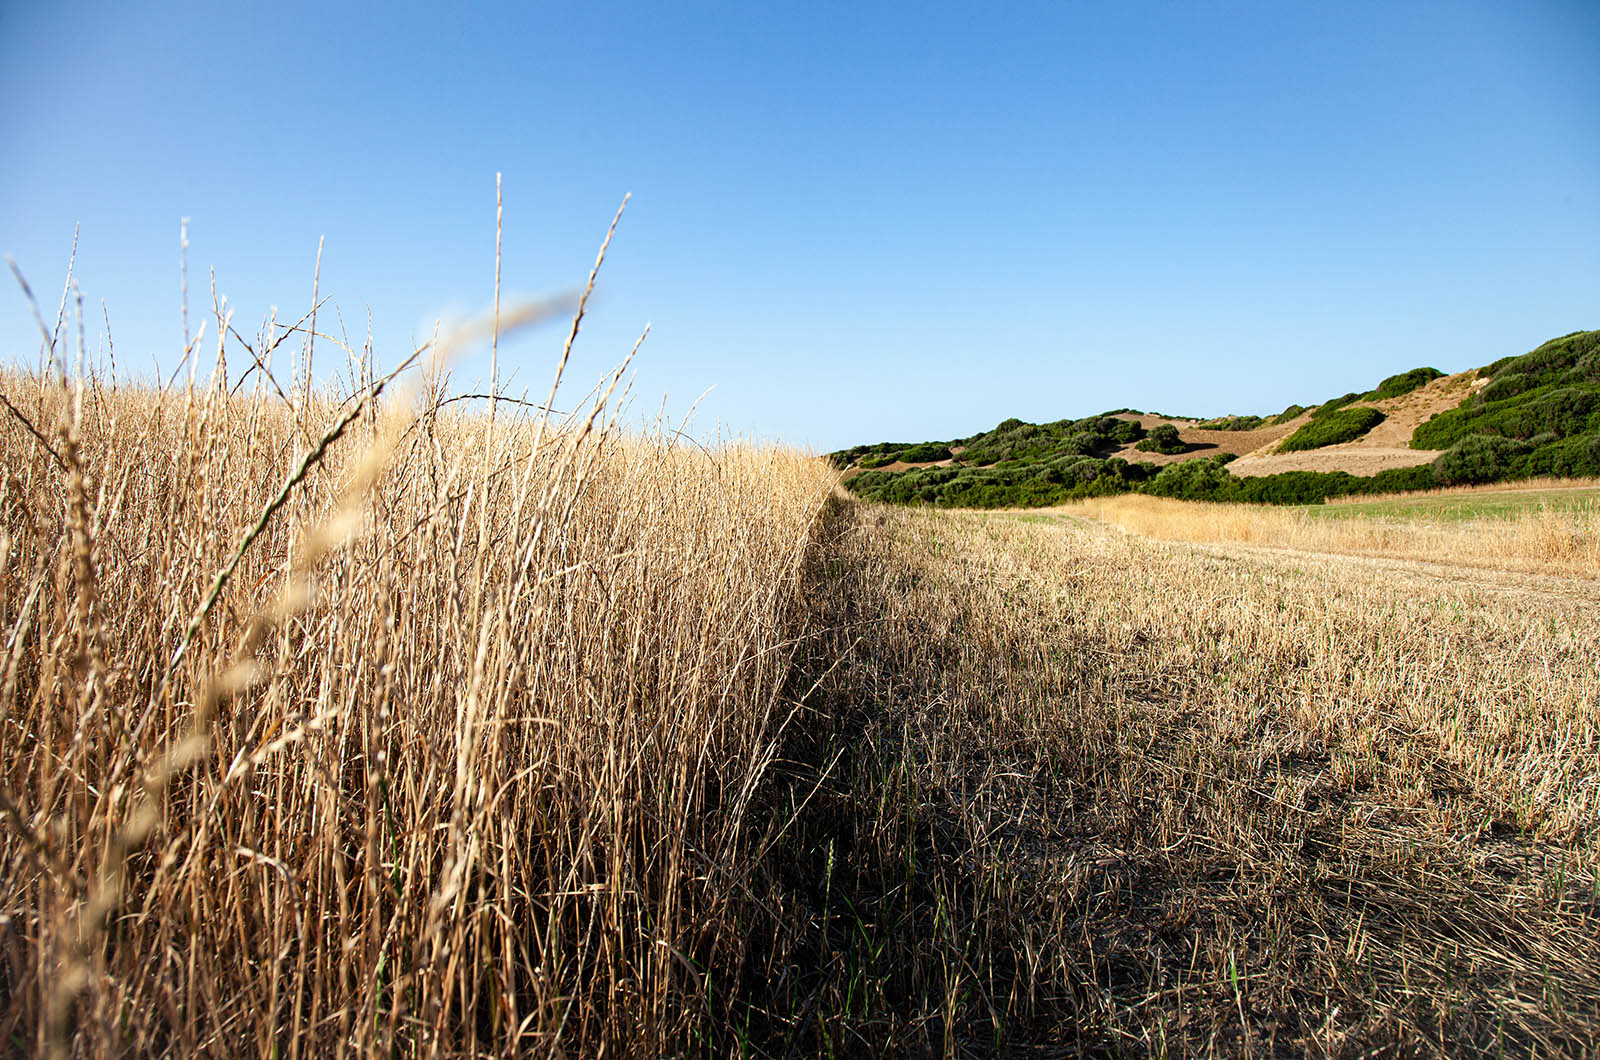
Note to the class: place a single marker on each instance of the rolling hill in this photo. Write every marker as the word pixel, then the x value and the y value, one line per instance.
pixel 1521 416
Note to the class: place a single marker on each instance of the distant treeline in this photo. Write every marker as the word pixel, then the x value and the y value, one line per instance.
pixel 1537 414
pixel 1039 484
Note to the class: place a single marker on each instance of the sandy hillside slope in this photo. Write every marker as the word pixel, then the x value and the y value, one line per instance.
pixel 1385 446
pixel 1203 443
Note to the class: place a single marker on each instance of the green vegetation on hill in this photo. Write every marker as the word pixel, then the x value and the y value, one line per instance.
pixel 1537 414
pixel 1342 425
pixel 1013 440
pixel 1233 423
pixel 1163 439
pixel 868 455
pixel 1404 383
pixel 1394 386
pixel 1013 484
pixel 1024 485
pixel 890 452
pixel 1328 408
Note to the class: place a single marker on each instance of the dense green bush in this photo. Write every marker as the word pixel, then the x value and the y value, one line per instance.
pixel 862 453
pixel 1576 457
pixel 1556 361
pixel 1085 470
pixel 1506 385
pixel 1404 383
pixel 1343 425
pixel 1131 472
pixel 1401 480
pixel 1232 423
pixel 1126 431
pixel 1068 478
pixel 1287 414
pixel 1163 438
pixel 1298 487
pixel 1479 458
pixel 1195 480
pixel 925 453
pixel 1587 368
pixel 1327 408
pixel 1539 414
pixel 1562 411
pixel 1015 440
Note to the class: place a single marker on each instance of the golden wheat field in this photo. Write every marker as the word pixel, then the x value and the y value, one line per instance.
pixel 363 722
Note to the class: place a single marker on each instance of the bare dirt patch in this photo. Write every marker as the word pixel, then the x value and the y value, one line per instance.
pixel 1203 443
pixel 1385 446
pixel 898 465
pixel 1363 461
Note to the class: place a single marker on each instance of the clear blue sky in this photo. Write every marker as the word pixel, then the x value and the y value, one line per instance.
pixel 856 222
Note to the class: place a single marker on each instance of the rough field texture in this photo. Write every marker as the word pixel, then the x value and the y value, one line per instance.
pixel 1146 798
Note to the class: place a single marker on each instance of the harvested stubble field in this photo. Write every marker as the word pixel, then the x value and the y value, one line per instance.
pixel 522 738
pixel 1162 799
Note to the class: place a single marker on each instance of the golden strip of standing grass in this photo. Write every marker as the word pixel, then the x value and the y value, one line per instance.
pixel 1558 541
pixel 459 760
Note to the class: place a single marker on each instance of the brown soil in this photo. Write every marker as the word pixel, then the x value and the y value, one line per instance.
pixel 1385 446
pixel 1365 460
pixel 898 465
pixel 1208 443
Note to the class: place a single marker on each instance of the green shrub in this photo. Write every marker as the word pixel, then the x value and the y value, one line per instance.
pixel 1163 439
pixel 1404 383
pixel 1232 423
pixel 1478 458
pixel 1507 385
pixel 1085 470
pixel 1563 411
pixel 1402 480
pixel 1587 369
pixel 1083 443
pixel 1329 407
pixel 1194 480
pixel 1556 361
pixel 1298 487
pixel 1342 425
pixel 927 452
pixel 1287 414
pixel 863 453
pixel 1576 457
pixel 1127 431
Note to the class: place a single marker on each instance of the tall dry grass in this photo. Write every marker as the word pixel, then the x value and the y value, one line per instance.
pixel 1560 541
pixel 354 724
